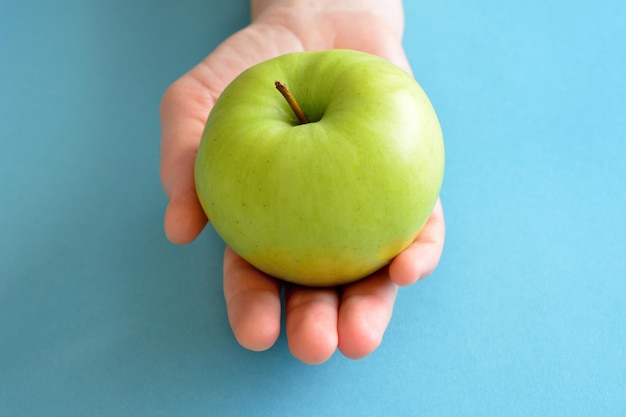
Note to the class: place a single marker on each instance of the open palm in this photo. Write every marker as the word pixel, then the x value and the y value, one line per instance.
pixel 352 318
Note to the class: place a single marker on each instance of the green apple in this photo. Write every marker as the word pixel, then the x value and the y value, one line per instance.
pixel 333 197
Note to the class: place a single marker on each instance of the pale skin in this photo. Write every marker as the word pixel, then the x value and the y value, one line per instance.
pixel 354 317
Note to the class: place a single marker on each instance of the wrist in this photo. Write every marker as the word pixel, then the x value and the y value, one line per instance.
pixel 390 11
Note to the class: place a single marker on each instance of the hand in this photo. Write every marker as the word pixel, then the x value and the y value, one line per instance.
pixel 354 317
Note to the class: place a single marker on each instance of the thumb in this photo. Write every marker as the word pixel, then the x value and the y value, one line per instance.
pixel 183 115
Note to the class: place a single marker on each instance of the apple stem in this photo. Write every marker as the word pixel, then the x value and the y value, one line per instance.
pixel 291 101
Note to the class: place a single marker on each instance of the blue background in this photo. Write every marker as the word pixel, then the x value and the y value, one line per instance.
pixel 526 315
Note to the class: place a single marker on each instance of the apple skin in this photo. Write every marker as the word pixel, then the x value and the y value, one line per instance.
pixel 331 201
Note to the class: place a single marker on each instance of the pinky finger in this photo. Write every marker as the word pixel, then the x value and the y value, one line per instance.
pixel 422 257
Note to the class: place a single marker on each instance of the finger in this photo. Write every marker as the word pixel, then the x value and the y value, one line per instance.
pixel 252 302
pixel 184 219
pixel 421 258
pixel 365 312
pixel 312 323
pixel 184 216
pixel 184 109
